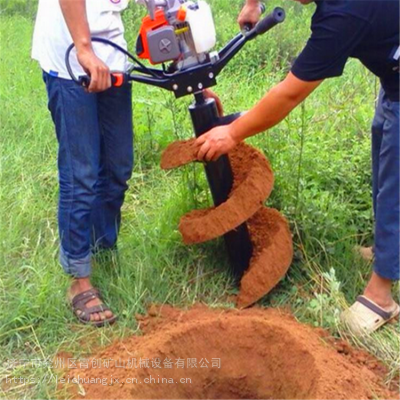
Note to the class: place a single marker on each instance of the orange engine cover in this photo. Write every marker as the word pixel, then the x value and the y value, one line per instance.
pixel 142 46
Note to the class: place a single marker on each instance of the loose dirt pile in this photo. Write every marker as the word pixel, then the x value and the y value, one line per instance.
pixel 269 232
pixel 228 354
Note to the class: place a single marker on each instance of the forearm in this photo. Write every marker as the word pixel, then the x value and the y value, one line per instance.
pixel 74 12
pixel 273 107
pixel 271 110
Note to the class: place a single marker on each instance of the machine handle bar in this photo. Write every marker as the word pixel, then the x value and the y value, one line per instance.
pixel 186 79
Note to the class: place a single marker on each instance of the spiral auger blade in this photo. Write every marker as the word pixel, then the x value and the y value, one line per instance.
pixel 269 230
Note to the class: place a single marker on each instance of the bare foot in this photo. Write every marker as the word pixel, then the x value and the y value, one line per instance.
pixel 379 290
pixel 366 253
pixel 81 285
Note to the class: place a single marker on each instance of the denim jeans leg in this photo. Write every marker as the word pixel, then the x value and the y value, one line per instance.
pixel 377 133
pixel 74 113
pixel 386 171
pixel 115 119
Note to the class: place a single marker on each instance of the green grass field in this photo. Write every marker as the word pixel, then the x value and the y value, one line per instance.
pixel 320 155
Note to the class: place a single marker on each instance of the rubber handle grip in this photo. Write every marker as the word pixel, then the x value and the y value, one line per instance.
pixel 274 18
pixel 117 79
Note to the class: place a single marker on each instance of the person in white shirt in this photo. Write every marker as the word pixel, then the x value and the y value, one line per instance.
pixel 94 132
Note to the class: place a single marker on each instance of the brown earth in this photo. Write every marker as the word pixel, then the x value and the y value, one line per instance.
pixel 272 255
pixel 239 354
pixel 253 183
pixel 269 231
pixel 179 153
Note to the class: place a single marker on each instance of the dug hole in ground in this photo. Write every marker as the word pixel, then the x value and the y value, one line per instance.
pixel 252 353
pixel 240 354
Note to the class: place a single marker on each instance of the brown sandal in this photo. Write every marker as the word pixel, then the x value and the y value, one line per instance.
pixel 79 302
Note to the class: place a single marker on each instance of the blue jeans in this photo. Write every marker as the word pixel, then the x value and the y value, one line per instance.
pixel 95 161
pixel 386 188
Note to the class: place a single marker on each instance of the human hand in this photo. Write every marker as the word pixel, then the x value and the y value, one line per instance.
pixel 209 94
pixel 250 14
pixel 100 76
pixel 215 143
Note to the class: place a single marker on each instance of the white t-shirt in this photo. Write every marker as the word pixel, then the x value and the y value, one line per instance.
pixel 51 37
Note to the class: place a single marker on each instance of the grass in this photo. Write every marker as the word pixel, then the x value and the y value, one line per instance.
pixel 321 158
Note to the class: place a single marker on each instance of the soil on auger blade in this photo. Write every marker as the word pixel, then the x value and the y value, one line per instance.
pixel 272 255
pixel 227 354
pixel 253 183
pixel 179 153
pixel 269 231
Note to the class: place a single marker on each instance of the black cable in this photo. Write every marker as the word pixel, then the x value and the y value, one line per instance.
pixel 110 43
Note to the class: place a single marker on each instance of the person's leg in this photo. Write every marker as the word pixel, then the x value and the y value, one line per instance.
pixel 377 306
pixel 367 253
pixel 376 139
pixel 386 205
pixel 115 119
pixel 98 220
pixel 74 114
